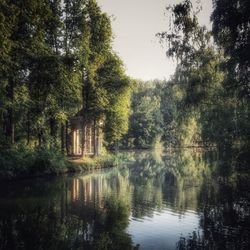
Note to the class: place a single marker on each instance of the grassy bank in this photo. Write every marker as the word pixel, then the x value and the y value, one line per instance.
pixel 22 162
pixel 89 163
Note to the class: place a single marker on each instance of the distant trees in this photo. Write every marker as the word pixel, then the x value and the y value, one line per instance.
pixel 146 119
pixel 53 55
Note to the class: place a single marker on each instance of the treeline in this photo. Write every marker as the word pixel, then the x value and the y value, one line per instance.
pixel 146 123
pixel 206 102
pixel 56 59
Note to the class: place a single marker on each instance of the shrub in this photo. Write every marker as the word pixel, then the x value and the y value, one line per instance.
pixel 21 161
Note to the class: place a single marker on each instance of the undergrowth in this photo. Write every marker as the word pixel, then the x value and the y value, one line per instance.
pixel 21 162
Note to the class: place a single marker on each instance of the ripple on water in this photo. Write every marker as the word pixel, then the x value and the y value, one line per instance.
pixel 163 230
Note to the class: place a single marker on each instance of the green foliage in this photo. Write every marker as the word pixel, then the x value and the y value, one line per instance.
pixel 47 161
pixel 108 161
pixel 88 163
pixel 200 106
pixel 22 162
pixel 232 33
pixel 113 100
pixel 146 119
pixel 57 59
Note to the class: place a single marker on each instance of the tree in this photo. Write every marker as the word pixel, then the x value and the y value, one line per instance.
pixel 232 33
pixel 8 21
pixel 197 80
pixel 113 95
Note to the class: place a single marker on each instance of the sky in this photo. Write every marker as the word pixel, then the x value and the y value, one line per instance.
pixel 135 23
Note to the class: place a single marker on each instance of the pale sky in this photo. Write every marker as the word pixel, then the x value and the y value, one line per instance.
pixel 135 23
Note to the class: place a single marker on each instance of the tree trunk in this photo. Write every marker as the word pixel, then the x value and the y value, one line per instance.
pixel 53 132
pixel 39 139
pixel 12 130
pixel 10 127
pixel 94 135
pixel 28 128
pixel 3 122
pixel 85 109
pixel 67 137
pixel 62 137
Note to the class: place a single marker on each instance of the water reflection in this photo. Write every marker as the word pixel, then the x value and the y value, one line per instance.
pixel 183 200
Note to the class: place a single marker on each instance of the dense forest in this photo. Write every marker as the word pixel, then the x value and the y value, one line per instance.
pixel 206 102
pixel 56 59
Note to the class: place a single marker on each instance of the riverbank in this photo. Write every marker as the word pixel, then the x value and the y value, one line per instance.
pixel 22 162
pixel 91 163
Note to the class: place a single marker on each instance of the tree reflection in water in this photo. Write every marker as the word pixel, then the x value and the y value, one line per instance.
pixel 224 206
pixel 95 211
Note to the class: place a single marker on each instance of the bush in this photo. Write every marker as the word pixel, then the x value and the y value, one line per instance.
pixel 21 161
pixel 108 161
pixel 13 162
pixel 47 161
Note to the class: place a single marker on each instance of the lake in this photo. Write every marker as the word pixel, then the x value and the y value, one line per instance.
pixel 153 200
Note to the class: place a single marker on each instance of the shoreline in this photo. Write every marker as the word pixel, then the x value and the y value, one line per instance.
pixel 81 165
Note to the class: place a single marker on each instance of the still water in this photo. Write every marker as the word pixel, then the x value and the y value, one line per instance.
pixel 171 200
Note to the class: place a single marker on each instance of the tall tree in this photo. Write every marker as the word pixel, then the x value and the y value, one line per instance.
pixel 197 83
pixel 8 21
pixel 231 29
pixel 113 97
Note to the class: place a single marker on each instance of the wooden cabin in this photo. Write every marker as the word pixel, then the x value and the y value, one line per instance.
pixel 92 139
